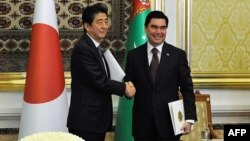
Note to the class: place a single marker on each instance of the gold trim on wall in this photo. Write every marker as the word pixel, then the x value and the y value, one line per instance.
pixel 15 81
pixel 221 80
pixel 158 5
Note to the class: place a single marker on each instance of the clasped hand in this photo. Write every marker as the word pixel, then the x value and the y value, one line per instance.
pixel 186 127
pixel 130 89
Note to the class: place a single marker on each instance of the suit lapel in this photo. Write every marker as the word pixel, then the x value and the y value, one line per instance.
pixel 107 66
pixel 163 62
pixel 144 60
pixel 93 47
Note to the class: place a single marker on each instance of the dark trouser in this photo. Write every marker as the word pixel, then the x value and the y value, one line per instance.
pixel 153 135
pixel 88 136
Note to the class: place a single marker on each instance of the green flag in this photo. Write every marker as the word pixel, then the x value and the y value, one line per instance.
pixel 136 37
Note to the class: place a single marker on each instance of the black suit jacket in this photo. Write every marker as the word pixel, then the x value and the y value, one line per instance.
pixel 153 98
pixel 91 89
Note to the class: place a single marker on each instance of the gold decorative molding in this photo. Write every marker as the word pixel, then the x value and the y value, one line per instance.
pixel 221 80
pixel 158 5
pixel 15 81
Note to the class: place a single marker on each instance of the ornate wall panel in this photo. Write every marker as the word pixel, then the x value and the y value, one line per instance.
pixel 15 28
pixel 16 21
pixel 219 41
pixel 221 36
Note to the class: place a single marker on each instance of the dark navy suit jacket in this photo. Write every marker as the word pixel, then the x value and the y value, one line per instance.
pixel 152 98
pixel 91 89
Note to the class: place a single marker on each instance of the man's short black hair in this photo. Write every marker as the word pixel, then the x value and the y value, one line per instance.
pixel 88 14
pixel 157 15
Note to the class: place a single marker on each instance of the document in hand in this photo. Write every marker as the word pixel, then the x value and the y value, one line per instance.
pixel 116 72
pixel 176 109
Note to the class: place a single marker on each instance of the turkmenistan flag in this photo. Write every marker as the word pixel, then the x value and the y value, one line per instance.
pixel 136 37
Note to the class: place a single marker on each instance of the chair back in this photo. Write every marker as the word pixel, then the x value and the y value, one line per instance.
pixel 204 119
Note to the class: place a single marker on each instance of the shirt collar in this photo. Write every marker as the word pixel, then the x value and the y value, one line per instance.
pixel 150 47
pixel 94 41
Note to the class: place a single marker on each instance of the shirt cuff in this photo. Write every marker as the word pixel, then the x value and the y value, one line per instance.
pixel 190 121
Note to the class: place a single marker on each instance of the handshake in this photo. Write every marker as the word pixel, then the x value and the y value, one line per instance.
pixel 130 89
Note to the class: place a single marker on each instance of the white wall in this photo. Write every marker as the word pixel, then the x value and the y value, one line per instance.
pixel 228 106
pixel 170 11
pixel 11 105
pixel 10 109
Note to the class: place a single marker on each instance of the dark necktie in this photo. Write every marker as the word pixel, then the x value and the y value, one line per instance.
pixel 101 52
pixel 154 63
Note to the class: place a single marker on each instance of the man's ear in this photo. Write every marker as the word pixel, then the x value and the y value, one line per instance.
pixel 86 26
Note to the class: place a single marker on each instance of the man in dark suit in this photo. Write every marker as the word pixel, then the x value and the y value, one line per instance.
pixel 158 77
pixel 90 112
